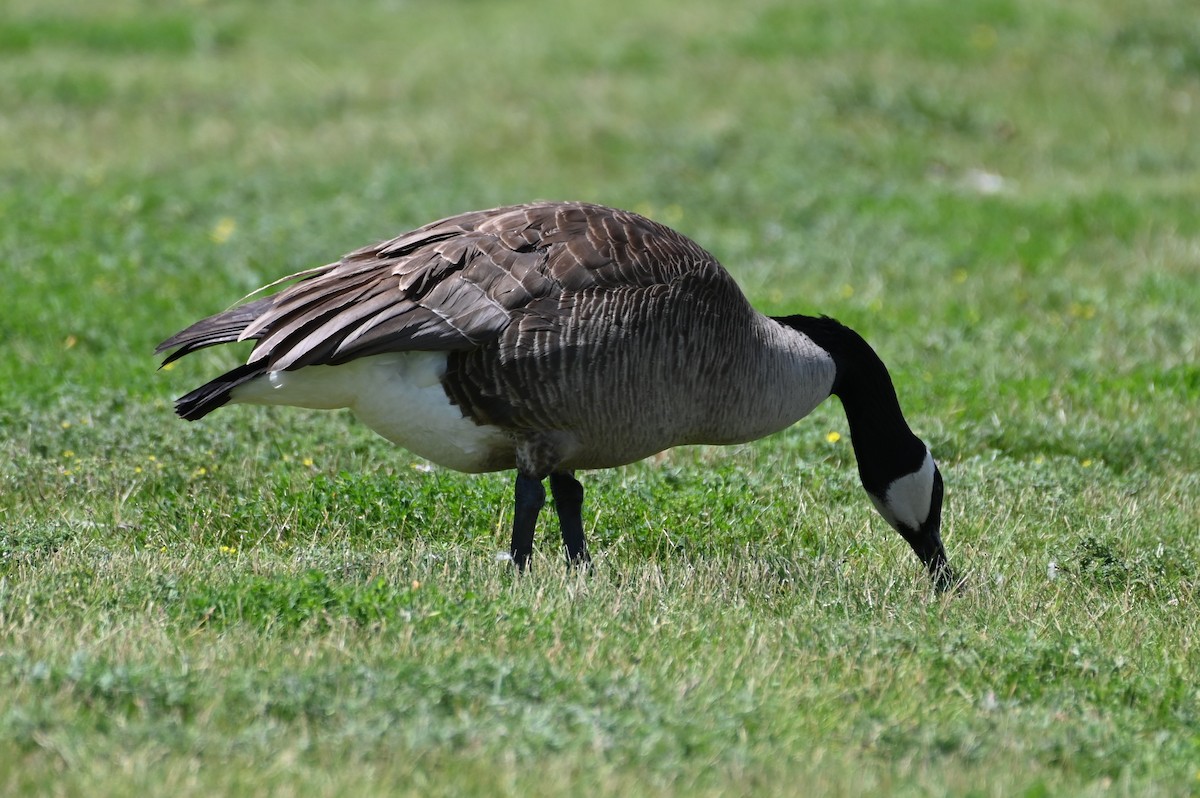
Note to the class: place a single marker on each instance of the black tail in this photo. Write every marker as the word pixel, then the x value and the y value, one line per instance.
pixel 223 328
pixel 211 395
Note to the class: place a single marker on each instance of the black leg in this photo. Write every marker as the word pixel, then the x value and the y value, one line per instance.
pixel 568 503
pixel 529 498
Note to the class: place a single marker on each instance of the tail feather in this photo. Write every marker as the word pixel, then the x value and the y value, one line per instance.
pixel 222 328
pixel 211 395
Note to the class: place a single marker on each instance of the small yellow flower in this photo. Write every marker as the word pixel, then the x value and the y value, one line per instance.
pixel 137 469
pixel 983 37
pixel 1082 310
pixel 308 462
pixel 1087 463
pixel 227 549
pixel 223 230
pixel 67 454
pixel 201 471
pixel 833 437
pixel 151 458
pixel 65 425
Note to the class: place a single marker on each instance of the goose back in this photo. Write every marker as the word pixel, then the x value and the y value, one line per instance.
pixel 457 283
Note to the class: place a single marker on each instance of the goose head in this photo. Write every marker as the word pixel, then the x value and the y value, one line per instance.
pixel 911 503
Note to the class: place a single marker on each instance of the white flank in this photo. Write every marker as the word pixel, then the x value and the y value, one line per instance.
pixel 907 500
pixel 399 395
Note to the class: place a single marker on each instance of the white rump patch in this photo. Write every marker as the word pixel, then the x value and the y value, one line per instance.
pixel 399 395
pixel 907 500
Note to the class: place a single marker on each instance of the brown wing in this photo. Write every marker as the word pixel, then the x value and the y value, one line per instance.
pixel 455 284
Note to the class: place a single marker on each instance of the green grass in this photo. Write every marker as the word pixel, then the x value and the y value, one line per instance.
pixel 1000 194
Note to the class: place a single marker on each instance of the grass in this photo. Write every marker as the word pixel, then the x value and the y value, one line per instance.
pixel 1000 194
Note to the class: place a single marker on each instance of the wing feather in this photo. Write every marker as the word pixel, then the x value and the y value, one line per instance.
pixel 457 284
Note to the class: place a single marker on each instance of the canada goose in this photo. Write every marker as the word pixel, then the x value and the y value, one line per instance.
pixel 559 336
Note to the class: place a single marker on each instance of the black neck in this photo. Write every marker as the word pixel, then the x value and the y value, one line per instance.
pixel 883 444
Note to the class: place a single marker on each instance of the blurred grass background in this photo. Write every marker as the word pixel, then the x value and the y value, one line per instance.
pixel 1000 194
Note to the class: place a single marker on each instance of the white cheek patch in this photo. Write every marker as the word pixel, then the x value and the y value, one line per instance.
pixel 907 500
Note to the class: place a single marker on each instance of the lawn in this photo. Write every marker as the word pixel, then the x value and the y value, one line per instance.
pixel 1002 195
